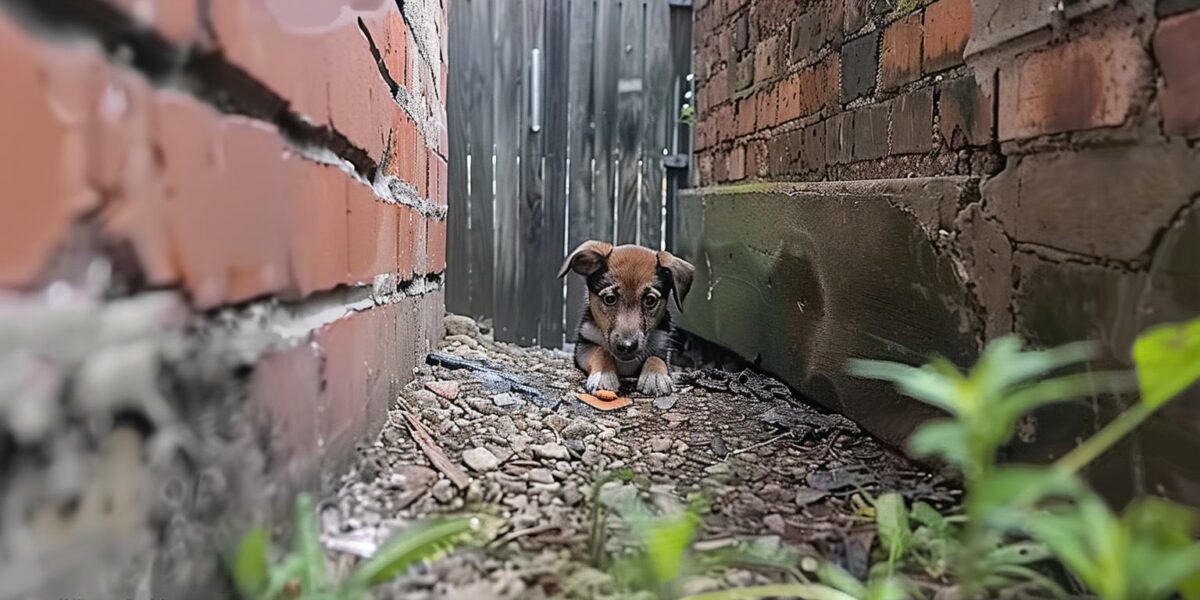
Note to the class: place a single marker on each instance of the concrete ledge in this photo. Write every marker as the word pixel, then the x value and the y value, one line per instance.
pixel 803 276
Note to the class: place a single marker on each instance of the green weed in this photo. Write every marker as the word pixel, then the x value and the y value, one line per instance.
pixel 301 573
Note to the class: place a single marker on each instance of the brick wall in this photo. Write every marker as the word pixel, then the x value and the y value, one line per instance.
pixel 1067 132
pixel 221 245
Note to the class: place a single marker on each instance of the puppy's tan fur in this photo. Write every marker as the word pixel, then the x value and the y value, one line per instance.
pixel 626 328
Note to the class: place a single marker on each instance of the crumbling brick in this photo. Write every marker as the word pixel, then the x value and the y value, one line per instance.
pixel 1177 46
pixel 965 113
pixel 1082 84
pixel 860 65
pixel 901 59
pixel 947 29
pixel 912 122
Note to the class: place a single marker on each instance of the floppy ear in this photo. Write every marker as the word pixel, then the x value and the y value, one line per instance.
pixel 587 258
pixel 682 273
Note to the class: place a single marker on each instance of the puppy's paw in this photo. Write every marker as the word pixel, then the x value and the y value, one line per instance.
pixel 655 383
pixel 602 380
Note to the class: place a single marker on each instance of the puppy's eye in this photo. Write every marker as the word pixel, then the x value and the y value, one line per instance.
pixel 650 301
pixel 609 298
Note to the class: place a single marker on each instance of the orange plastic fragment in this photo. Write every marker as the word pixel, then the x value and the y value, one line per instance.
pixel 599 404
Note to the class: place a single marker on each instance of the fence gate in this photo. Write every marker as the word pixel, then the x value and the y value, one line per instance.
pixel 564 126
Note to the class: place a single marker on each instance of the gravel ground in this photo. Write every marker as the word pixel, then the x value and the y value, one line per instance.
pixel 775 470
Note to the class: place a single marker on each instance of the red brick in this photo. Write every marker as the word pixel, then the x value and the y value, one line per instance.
pixel 287 386
pixel 436 239
pixel 1086 83
pixel 947 30
pixel 317 227
pixel 912 122
pixel 324 70
pixel 736 163
pixel 766 59
pixel 407 232
pixel 965 113
pixel 42 160
pixel 809 91
pixel 745 117
pixel 222 181
pixel 768 104
pixel 373 235
pixel 901 59
pixel 1177 47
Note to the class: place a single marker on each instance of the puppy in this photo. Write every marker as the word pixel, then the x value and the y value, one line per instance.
pixel 626 327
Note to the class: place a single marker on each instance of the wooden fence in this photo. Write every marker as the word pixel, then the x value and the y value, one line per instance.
pixel 564 126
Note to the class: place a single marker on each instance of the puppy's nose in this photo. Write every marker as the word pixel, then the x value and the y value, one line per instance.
pixel 626 347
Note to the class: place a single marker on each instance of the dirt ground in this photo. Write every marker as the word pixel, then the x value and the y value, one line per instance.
pixel 522 446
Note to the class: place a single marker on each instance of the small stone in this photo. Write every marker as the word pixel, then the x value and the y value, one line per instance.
pixel 680 447
pixel 443 491
pixel 505 427
pixel 775 523
pixel 806 496
pixel 665 402
pixel 556 422
pixel 551 450
pixel 425 399
pixel 506 400
pixel 412 481
pixel 540 476
pixel 445 389
pixel 660 444
pixel 579 430
pixel 460 325
pixel 480 460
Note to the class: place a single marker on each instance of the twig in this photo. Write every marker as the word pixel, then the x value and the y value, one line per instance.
pixel 761 444
pixel 436 455
pixel 520 533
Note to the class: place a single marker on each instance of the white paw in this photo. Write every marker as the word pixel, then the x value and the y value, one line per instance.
pixel 602 381
pixel 655 384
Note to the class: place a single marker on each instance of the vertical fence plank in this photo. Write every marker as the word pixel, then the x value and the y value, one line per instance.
pixel 458 278
pixel 509 120
pixel 680 141
pixel 531 210
pixel 581 140
pixel 629 117
pixel 479 104
pixel 656 117
pixel 605 60
pixel 555 99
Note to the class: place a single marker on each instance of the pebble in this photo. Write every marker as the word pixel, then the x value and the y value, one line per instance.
pixel 665 402
pixel 460 325
pixel 775 524
pixel 556 422
pixel 579 429
pixel 443 491
pixel 660 444
pixel 445 389
pixel 540 476
pixel 480 460
pixel 551 450
pixel 506 400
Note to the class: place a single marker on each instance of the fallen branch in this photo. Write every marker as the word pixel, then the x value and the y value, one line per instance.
pixel 434 452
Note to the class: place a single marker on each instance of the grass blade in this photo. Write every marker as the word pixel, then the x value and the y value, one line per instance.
pixel 891 518
pixel 421 543
pixel 308 546
pixel 249 564
pixel 804 591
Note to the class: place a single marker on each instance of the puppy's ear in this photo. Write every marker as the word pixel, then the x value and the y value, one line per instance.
pixel 682 273
pixel 587 258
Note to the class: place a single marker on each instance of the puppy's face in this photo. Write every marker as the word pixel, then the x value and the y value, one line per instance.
pixel 629 288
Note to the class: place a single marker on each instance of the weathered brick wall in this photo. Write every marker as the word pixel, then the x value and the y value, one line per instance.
pixel 1067 132
pixel 222 237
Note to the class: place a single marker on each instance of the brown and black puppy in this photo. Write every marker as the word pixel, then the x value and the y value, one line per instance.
pixel 626 327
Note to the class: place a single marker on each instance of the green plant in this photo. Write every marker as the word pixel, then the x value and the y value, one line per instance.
pixel 1050 504
pixel 301 573
pixel 687 114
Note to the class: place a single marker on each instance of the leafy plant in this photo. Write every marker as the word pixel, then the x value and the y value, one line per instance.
pixel 1064 518
pixel 687 114
pixel 301 573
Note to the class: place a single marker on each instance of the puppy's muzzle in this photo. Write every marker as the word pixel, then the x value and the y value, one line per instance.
pixel 626 347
